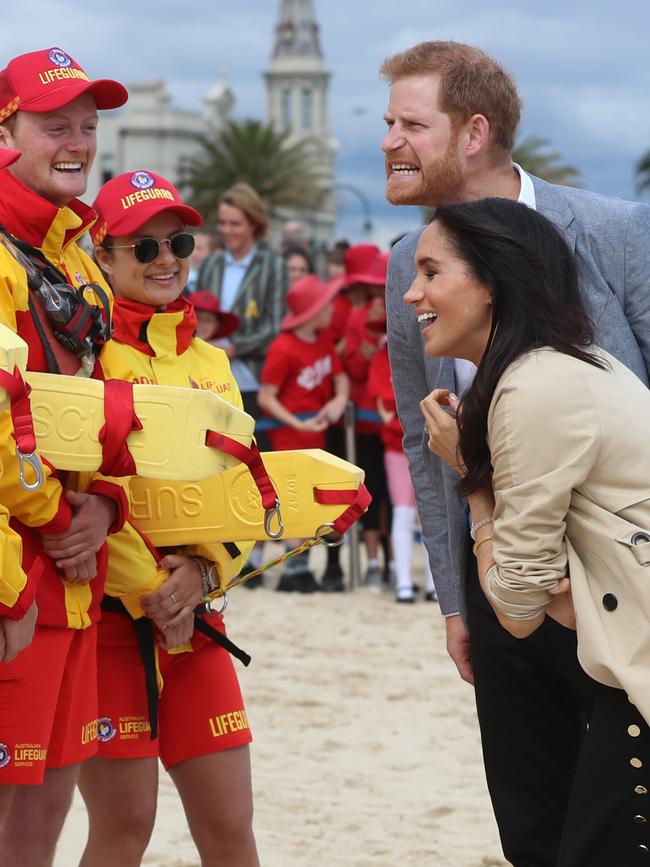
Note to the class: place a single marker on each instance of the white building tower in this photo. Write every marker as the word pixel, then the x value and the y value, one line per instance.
pixel 297 82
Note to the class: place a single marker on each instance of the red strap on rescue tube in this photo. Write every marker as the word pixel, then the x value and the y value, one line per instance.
pixel 21 411
pixel 119 420
pixel 253 460
pixel 359 501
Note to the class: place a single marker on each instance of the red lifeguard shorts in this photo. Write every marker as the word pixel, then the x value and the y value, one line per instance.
pixel 200 711
pixel 48 704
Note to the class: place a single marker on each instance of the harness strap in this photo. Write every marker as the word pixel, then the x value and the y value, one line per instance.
pixel 146 645
pixel 21 411
pixel 358 500
pixel 253 460
pixel 219 638
pixel 120 420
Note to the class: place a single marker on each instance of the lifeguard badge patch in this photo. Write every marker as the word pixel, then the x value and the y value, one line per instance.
pixel 59 58
pixel 5 755
pixel 105 729
pixel 142 180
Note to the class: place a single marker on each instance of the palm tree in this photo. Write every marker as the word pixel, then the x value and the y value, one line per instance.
pixel 284 174
pixel 533 156
pixel 642 173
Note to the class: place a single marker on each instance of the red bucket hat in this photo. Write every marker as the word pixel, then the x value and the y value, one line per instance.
pixel 228 322
pixel 358 264
pixel 49 79
pixel 8 156
pixel 130 200
pixel 306 298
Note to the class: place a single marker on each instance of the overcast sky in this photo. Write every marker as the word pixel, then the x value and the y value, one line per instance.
pixel 581 65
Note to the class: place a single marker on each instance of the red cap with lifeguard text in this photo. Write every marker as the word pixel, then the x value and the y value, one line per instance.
pixel 49 79
pixel 130 200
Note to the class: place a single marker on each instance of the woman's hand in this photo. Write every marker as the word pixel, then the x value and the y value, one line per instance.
pixel 179 595
pixel 442 427
pixel 560 607
pixel 176 636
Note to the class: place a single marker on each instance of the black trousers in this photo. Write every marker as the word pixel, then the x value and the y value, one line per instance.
pixel 608 821
pixel 533 700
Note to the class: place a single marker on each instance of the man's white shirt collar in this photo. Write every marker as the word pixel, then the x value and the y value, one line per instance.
pixel 527 191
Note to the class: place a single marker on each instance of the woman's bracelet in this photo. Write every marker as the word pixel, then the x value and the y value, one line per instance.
pixel 208 574
pixel 475 527
pixel 478 544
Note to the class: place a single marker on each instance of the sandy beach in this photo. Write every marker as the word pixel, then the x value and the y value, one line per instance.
pixel 366 749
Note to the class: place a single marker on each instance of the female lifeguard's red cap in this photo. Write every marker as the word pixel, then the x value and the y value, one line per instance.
pixel 130 200
pixel 49 79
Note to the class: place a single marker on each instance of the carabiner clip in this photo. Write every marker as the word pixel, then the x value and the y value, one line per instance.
pixel 32 460
pixel 213 612
pixel 269 514
pixel 329 539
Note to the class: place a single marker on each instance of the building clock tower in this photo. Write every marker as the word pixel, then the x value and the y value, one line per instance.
pixel 297 82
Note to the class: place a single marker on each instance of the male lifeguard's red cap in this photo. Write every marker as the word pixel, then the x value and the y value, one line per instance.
pixel 8 156
pixel 130 200
pixel 49 79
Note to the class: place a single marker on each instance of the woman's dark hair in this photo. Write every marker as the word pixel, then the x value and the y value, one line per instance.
pixel 531 273
pixel 299 251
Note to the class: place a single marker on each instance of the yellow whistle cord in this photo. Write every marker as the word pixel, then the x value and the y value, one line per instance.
pixel 305 546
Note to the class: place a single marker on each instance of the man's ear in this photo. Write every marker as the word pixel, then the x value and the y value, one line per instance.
pixel 477 134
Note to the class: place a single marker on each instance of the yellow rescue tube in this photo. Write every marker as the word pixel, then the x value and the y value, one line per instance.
pixel 68 413
pixel 227 507
pixel 13 354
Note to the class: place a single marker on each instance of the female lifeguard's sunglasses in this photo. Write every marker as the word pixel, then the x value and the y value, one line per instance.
pixel 146 250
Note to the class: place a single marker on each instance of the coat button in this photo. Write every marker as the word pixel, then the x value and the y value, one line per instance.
pixel 640 820
pixel 636 763
pixel 643 849
pixel 633 731
pixel 641 790
pixel 610 602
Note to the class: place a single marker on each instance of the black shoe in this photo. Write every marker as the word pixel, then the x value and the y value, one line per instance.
pixel 431 596
pixel 306 582
pixel 405 600
pixel 288 583
pixel 332 580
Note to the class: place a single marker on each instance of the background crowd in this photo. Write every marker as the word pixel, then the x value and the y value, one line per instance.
pixel 301 346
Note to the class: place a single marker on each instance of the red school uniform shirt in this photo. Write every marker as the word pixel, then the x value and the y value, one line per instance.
pixel 304 376
pixel 380 385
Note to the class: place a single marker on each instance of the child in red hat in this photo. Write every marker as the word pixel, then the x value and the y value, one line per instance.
pixel 212 323
pixel 368 271
pixel 304 387
pixel 400 486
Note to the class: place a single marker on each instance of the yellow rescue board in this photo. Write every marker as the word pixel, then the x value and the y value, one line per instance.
pixel 13 353
pixel 68 413
pixel 228 508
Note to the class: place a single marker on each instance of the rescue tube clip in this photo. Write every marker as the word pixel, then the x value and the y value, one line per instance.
pixel 31 460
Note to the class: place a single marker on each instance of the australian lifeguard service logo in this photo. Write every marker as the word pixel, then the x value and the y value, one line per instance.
pixel 105 729
pixel 5 755
pixel 59 58
pixel 142 180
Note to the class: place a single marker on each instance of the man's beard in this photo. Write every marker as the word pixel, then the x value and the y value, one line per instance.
pixel 437 184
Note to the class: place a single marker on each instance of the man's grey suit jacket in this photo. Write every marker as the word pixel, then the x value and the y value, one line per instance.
pixel 611 241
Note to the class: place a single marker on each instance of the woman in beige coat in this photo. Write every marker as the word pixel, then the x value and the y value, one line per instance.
pixel 552 445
